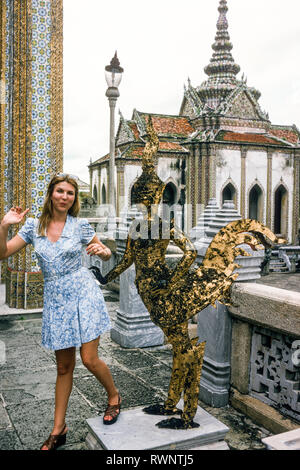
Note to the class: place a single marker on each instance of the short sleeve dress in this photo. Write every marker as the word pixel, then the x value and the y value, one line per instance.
pixel 74 309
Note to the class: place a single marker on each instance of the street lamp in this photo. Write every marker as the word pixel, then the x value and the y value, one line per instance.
pixel 113 76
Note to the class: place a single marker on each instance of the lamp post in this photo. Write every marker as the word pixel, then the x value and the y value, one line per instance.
pixel 113 76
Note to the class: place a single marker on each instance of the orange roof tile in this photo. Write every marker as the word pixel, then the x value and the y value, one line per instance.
pixel 247 137
pixel 171 146
pixel 171 125
pixel 137 152
pixel 285 134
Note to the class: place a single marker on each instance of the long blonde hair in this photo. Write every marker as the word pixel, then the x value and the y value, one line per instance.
pixel 47 211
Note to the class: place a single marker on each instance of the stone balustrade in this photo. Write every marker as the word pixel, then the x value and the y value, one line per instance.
pixel 265 346
pixel 290 254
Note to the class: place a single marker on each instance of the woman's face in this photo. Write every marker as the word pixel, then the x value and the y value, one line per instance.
pixel 63 197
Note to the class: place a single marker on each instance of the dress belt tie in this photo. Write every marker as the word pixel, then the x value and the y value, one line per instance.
pixel 53 277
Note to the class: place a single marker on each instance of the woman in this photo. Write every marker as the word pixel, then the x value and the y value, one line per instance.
pixel 74 313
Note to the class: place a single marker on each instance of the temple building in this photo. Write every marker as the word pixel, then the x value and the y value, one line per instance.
pixel 31 125
pixel 221 145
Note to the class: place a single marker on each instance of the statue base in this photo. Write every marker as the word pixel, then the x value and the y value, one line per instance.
pixel 137 430
pixel 133 327
pixel 136 331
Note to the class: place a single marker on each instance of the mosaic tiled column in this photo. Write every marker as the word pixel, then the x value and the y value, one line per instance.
pixel 212 172
pixel 243 182
pixel 295 227
pixel 269 191
pixel 31 125
pixel 99 187
pixel 203 174
pixel 193 186
pixel 120 188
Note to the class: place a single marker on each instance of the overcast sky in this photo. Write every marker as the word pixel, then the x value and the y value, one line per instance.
pixel 160 43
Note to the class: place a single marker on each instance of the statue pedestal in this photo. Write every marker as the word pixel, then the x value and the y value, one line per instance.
pixel 214 327
pixel 136 430
pixel 133 327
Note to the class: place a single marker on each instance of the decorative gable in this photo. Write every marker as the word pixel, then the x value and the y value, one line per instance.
pixel 125 133
pixel 187 109
pixel 243 106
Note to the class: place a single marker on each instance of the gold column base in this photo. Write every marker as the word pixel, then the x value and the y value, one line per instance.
pixel 24 290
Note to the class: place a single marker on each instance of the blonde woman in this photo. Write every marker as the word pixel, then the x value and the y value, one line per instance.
pixel 74 313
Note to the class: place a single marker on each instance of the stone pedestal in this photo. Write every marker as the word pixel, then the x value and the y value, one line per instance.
pixel 133 327
pixel 214 327
pixel 137 430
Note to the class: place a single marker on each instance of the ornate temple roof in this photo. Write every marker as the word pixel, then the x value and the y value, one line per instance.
pixel 164 125
pixel 220 90
pixel 130 139
pixel 249 138
pixel 286 133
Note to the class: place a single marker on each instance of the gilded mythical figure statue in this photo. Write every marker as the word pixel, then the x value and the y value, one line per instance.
pixel 172 297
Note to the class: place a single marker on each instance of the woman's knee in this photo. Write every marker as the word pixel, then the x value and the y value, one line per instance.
pixel 64 368
pixel 90 362
pixel 65 361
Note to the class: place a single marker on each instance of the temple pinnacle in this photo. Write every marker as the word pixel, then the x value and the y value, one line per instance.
pixel 222 69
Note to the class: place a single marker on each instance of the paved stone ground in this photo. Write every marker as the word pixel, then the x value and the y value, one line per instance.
pixel 142 375
pixel 289 281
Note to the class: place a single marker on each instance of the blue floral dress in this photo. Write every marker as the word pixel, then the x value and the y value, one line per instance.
pixel 74 309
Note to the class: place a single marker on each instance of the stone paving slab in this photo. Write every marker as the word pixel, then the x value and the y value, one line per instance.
pixel 33 420
pixel 285 441
pixel 133 391
pixel 288 281
pixel 9 440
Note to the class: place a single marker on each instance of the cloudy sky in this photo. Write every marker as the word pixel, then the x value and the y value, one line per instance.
pixel 160 43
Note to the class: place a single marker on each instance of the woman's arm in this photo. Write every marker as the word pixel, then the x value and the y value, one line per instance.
pixel 125 262
pixel 9 248
pixel 96 247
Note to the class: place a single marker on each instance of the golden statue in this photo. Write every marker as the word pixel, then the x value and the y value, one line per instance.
pixel 173 297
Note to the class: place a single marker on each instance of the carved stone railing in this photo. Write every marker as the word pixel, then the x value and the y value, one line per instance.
pixel 265 359
pixel 291 255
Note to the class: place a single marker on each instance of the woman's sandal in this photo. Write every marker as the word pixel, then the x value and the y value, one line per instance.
pixel 55 440
pixel 113 411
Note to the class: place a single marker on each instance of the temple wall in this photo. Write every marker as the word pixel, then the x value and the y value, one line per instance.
pixel 256 171
pixel 228 169
pixel 283 174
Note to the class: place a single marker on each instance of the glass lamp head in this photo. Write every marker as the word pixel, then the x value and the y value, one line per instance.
pixel 113 72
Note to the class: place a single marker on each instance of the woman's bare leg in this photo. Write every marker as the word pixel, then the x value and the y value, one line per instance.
pixel 89 356
pixel 65 360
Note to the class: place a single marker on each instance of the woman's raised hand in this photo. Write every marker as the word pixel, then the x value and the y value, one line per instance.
pixel 98 249
pixel 14 216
